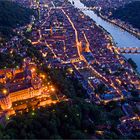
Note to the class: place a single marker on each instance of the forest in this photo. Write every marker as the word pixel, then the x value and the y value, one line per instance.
pixel 130 13
pixel 72 119
pixel 12 15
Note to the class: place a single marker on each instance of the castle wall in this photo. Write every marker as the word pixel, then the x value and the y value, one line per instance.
pixel 24 94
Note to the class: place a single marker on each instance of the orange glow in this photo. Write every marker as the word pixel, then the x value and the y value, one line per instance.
pixel 43 76
pixel 100 132
pixel 4 91
pixel 34 43
pixel 33 69
pixel 52 89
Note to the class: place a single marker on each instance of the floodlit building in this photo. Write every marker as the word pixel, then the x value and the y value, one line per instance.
pixel 20 85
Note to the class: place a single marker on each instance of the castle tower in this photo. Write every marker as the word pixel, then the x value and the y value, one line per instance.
pixel 5 100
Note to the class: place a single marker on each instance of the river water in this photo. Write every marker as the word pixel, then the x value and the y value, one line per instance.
pixel 121 38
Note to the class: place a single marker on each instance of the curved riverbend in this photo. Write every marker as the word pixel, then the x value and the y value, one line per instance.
pixel 121 38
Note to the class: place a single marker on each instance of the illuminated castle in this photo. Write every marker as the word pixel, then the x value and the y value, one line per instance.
pixel 19 84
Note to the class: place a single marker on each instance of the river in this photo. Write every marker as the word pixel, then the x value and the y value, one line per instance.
pixel 121 38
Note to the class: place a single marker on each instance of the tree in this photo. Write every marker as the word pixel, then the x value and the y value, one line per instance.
pixel 117 113
pixel 128 13
pixel 77 135
pixel 132 63
pixel 110 135
pixel 10 18
pixel 88 125
pixel 111 105
pixel 44 133
pixel 53 126
pixel 55 137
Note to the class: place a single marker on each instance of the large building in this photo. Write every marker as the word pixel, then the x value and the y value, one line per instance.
pixel 19 84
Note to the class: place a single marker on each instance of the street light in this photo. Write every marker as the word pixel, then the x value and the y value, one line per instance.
pixel 52 89
pixel 33 69
pixel 43 76
pixel 4 91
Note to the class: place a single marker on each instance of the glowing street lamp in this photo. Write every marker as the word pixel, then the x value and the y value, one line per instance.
pixel 4 91
pixel 33 113
pixel 52 89
pixel 43 76
pixel 33 69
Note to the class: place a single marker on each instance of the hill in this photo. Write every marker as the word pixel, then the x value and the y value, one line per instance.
pixel 130 13
pixel 12 15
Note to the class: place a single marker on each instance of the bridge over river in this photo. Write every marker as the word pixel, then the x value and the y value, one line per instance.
pixel 121 37
pixel 126 50
pixel 127 44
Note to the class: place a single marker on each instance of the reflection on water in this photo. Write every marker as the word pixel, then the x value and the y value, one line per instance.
pixel 122 38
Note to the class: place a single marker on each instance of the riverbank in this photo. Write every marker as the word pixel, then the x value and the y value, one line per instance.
pixel 134 31
pixel 119 25
pixel 136 34
pixel 121 38
pixel 112 42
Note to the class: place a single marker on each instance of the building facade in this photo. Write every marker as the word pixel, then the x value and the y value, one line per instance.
pixel 23 84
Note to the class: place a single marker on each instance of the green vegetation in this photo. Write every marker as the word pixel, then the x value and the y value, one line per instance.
pixel 8 60
pixel 68 86
pixel 13 57
pixel 73 119
pixel 130 13
pixel 12 15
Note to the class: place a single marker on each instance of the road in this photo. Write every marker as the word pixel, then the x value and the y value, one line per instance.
pixel 77 35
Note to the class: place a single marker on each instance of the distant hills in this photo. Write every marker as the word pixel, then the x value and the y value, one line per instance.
pixel 130 13
pixel 12 15
pixel 125 10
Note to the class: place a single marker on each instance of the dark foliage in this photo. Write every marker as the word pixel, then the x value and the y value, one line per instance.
pixel 129 13
pixel 74 119
pixel 12 15
pixel 132 63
